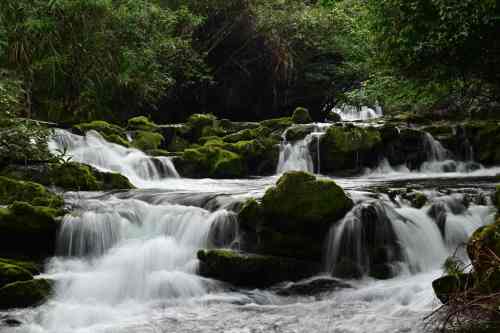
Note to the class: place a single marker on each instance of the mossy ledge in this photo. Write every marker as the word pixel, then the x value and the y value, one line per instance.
pixel 252 270
pixel 23 294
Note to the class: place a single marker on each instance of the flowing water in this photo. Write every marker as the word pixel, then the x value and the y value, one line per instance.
pixel 354 113
pixel 127 260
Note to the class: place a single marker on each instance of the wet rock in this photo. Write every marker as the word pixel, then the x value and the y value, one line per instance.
pixel 368 243
pixel 333 117
pixel 11 322
pixel 298 132
pixel 10 273
pixel 25 294
pixel 309 287
pixel 437 212
pixel 252 270
pixel 448 285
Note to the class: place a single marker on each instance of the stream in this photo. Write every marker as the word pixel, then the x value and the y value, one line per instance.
pixel 127 259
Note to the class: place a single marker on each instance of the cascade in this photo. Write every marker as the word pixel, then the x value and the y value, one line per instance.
pixel 94 150
pixel 296 156
pixel 354 113
pixel 381 237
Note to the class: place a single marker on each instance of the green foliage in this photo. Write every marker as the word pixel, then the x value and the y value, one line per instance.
pixel 80 58
pixel 15 190
pixel 144 140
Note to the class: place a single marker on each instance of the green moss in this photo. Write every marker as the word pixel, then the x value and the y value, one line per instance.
pixel 25 293
pixel 301 201
pixel 418 200
pixel 301 116
pixel 159 152
pixel 31 267
pixel 295 133
pixel 211 161
pixel 113 181
pixel 178 144
pixel 102 127
pixel 141 123
pixel 28 230
pixel 344 148
pixel 484 242
pixel 299 210
pixel 252 270
pixel 147 140
pixel 279 124
pixel 10 273
pixel 200 125
pixel 119 140
pixel 248 134
pixel 16 190
pixel 74 176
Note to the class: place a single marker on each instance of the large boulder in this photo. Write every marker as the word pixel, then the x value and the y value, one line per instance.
pixel 24 294
pixel 252 270
pixel 12 190
pixel 298 210
pixel 147 140
pixel 141 123
pixel 28 230
pixel 349 148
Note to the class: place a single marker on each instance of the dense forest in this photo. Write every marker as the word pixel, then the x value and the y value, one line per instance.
pixel 230 89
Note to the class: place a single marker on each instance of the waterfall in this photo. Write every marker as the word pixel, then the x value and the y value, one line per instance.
pixel 94 150
pixel 296 156
pixel 354 113
pixel 379 237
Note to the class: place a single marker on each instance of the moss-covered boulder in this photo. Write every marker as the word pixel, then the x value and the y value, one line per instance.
pixel 299 210
pixel 210 161
pixel 10 273
pixel 200 125
pixel 277 124
pixel 485 139
pixel 448 285
pixel 301 116
pixel 349 148
pixel 24 294
pixel 12 190
pixel 248 134
pixel 260 156
pixel 28 230
pixel 333 117
pixel 141 123
pixel 108 181
pixel 110 132
pixel 251 270
pixel 73 176
pixel 147 140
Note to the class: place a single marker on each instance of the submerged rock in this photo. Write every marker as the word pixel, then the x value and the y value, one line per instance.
pixel 299 210
pixel 252 270
pixel 309 287
pixel 24 294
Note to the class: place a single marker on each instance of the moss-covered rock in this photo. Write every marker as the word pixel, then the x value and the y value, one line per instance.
pixel 24 294
pixel 333 117
pixel 108 181
pixel 248 134
pixel 484 248
pixel 145 140
pixel 251 270
pixel 350 148
pixel 485 139
pixel 259 155
pixel 31 267
pixel 17 190
pixel 301 116
pixel 141 123
pixel 298 132
pixel 28 230
pixel 298 211
pixel 448 285
pixel 210 161
pixel 110 132
pixel 277 124
pixel 73 176
pixel 10 273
